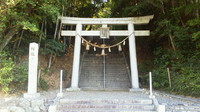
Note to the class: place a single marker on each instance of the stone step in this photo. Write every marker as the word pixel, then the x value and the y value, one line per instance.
pixel 97 87
pixel 90 80
pixel 107 70
pixel 86 76
pixel 113 60
pixel 103 110
pixel 89 65
pixel 113 82
pixel 92 72
pixel 115 68
pixel 104 89
pixel 120 73
pixel 116 85
pixel 93 59
pixel 107 106
pixel 92 69
pixel 106 81
pixel 106 101
pixel 92 85
pixel 116 62
pixel 121 65
pixel 109 77
pixel 102 77
pixel 93 63
pixel 100 73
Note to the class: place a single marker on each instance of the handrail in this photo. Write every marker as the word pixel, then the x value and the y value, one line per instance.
pixel 60 94
pixel 127 67
pixel 150 84
pixel 104 71
pixel 81 63
pixel 158 107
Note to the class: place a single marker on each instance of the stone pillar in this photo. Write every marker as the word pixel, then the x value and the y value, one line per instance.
pixel 32 71
pixel 133 58
pixel 76 60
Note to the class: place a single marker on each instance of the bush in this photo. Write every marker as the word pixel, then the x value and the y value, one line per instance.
pixel 6 67
pixel 12 76
pixel 160 78
pixel 187 82
pixel 53 47
pixel 20 74
pixel 43 84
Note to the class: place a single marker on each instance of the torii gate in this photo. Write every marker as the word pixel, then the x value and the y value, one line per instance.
pixel 129 21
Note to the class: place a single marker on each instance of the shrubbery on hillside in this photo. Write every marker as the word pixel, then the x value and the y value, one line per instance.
pixel 12 76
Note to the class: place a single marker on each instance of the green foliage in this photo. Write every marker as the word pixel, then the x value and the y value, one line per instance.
pixel 6 67
pixel 27 16
pixel 12 76
pixel 83 8
pixel 53 47
pixel 160 78
pixel 43 84
pixel 29 26
pixel 20 76
pixel 186 81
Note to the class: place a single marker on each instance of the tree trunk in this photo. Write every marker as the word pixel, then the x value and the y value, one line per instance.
pixel 7 38
pixel 172 41
pixel 42 28
pixel 51 55
pixel 21 36
pixel 197 13
pixel 169 35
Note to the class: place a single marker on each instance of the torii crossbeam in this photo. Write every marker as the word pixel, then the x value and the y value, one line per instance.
pixel 129 21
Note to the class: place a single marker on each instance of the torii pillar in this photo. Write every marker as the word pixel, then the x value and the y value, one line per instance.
pixel 76 60
pixel 133 58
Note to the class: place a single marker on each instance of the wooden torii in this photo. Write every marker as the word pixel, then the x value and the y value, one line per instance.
pixel 129 21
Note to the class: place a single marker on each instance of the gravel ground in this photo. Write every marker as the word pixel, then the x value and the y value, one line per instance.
pixel 172 102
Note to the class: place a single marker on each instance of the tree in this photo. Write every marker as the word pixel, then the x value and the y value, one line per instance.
pixel 28 15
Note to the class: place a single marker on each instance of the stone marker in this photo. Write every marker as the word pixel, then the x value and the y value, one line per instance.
pixel 32 72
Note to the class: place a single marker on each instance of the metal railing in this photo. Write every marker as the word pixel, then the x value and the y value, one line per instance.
pixel 159 108
pixel 104 71
pixel 81 64
pixel 127 67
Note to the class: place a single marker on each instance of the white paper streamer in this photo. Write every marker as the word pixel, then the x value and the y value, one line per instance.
pixel 109 49
pixel 124 43
pixel 87 47
pixel 103 52
pixel 119 48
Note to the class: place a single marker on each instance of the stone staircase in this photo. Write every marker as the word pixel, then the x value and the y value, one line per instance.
pixel 91 101
pixel 92 72
pixel 117 76
pixel 103 105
